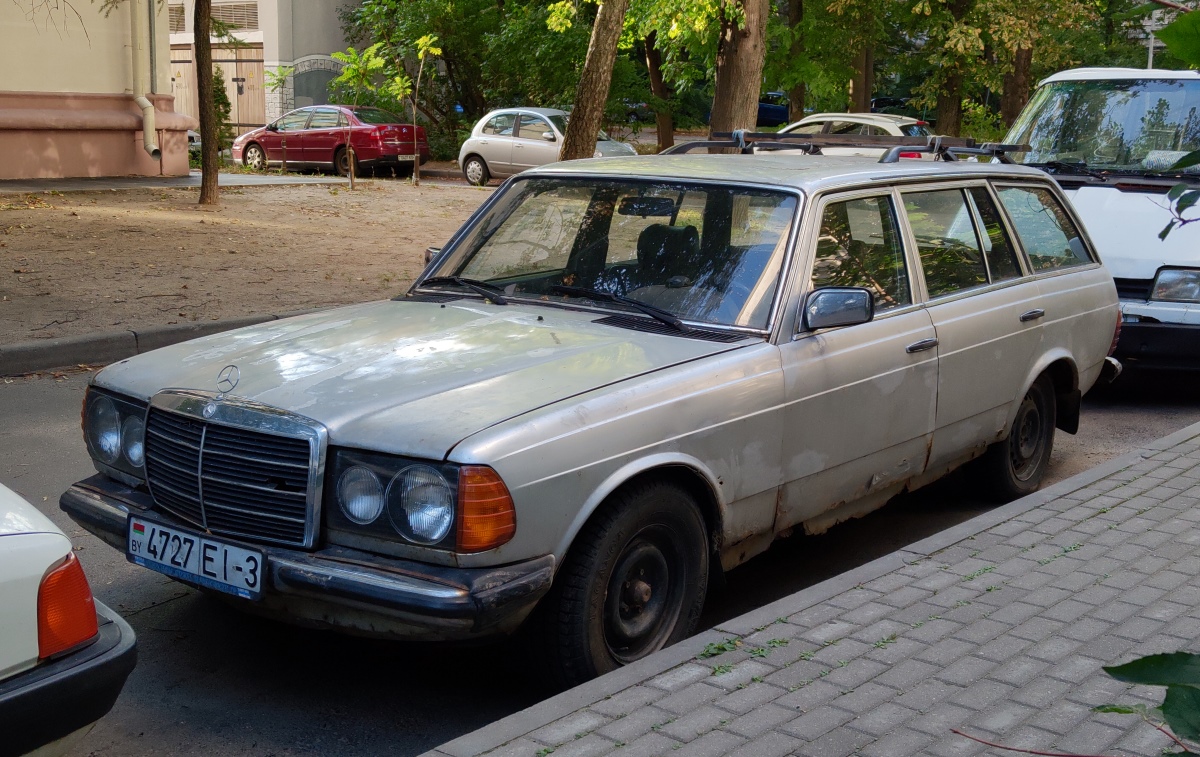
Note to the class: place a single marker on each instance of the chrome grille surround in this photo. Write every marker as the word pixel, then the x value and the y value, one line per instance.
pixel 219 493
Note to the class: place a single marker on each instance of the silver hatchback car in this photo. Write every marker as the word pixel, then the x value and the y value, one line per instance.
pixel 618 378
pixel 506 142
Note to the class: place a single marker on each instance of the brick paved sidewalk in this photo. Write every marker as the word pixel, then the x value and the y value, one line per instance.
pixel 998 627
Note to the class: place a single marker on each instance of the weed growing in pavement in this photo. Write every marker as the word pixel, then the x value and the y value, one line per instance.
pixel 808 655
pixel 777 643
pixel 719 648
pixel 976 574
pixel 890 639
pixel 760 652
pixel 721 670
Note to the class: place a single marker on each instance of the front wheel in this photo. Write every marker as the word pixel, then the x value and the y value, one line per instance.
pixel 255 158
pixel 475 171
pixel 1016 466
pixel 633 583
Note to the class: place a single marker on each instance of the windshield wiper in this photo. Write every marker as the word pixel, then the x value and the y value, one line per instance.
pixel 598 294
pixel 1080 169
pixel 490 291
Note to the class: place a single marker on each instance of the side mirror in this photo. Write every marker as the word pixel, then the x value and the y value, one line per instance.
pixel 431 253
pixel 549 136
pixel 838 306
pixel 273 127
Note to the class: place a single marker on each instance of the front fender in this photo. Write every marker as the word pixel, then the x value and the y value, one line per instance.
pixel 626 473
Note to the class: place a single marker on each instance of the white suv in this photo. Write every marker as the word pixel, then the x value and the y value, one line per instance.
pixel 858 125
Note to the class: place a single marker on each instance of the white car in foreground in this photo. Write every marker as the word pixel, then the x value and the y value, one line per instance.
pixel 63 656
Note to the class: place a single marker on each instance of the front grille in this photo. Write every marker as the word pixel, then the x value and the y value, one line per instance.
pixel 1134 289
pixel 229 480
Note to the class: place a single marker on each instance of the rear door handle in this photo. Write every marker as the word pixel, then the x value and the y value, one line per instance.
pixel 1032 315
pixel 921 346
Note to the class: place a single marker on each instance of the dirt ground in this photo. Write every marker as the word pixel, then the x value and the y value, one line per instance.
pixel 82 262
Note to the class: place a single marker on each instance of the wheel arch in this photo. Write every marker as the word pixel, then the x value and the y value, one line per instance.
pixel 1063 371
pixel 253 143
pixel 684 471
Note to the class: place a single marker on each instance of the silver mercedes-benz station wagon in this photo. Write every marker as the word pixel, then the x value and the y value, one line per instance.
pixel 619 376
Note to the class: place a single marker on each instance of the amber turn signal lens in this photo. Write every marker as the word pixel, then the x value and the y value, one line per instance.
pixel 66 612
pixel 486 518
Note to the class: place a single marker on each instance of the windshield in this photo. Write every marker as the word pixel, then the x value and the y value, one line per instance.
pixel 1130 125
pixel 703 253
pixel 376 116
pixel 560 123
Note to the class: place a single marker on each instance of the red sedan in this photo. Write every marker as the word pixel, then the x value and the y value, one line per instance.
pixel 317 136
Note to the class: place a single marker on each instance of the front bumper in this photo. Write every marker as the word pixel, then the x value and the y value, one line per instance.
pixel 347 588
pixel 59 697
pixel 1148 344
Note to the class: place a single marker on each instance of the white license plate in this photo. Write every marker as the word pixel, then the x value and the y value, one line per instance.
pixel 198 559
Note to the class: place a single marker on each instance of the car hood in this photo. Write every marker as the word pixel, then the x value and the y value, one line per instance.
pixel 1125 226
pixel 19 517
pixel 412 377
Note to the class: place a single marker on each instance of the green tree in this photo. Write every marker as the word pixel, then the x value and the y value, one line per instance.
pixel 222 110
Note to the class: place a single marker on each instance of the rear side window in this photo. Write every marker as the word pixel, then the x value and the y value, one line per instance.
pixel 915 130
pixel 859 246
pixel 950 252
pixel 323 119
pixel 1050 238
pixel 1001 257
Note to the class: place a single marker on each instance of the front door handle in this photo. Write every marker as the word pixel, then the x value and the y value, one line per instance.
pixel 921 346
pixel 1032 315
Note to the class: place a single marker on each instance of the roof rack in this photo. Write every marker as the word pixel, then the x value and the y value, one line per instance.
pixel 943 148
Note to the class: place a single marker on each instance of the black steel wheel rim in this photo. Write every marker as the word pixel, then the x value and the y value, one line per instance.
pixel 1028 439
pixel 645 594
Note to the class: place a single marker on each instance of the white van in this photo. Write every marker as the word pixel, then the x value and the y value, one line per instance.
pixel 1110 137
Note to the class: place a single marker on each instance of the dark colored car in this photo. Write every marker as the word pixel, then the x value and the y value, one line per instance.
pixel 773 109
pixel 317 136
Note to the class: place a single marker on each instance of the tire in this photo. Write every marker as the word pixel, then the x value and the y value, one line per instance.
pixel 341 163
pixel 1015 467
pixel 254 157
pixel 475 171
pixel 633 582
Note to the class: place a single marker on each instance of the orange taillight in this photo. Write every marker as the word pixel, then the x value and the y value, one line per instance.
pixel 486 518
pixel 66 612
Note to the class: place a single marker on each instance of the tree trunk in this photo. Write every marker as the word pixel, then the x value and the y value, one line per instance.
pixel 1016 86
pixel 740 56
pixel 663 119
pixel 949 106
pixel 592 92
pixel 864 80
pixel 798 93
pixel 210 150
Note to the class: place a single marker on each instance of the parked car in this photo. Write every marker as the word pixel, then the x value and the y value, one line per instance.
pixel 1110 137
pixel 317 136
pixel 64 657
pixel 859 124
pixel 619 377
pixel 772 109
pixel 512 140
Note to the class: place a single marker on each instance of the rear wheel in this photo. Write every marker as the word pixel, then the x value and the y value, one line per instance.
pixel 341 163
pixel 1016 466
pixel 475 171
pixel 633 583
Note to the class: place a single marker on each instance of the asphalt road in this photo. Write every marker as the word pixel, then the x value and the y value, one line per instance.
pixel 212 681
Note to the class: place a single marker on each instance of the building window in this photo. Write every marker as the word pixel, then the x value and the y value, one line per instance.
pixel 236 15
pixel 175 18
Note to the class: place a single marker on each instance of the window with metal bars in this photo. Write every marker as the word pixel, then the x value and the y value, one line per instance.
pixel 236 15
pixel 175 18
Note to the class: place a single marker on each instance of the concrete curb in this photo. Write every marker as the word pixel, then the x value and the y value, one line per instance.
pixel 539 715
pixel 108 347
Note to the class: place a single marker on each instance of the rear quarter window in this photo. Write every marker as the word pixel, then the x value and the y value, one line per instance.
pixel 1050 238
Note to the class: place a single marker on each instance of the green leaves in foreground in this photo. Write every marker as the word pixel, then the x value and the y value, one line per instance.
pixel 1180 673
pixel 1182 37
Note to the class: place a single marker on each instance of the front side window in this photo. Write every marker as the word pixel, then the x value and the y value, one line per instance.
pixel 704 253
pixel 950 252
pixel 1050 238
pixel 859 246
pixel 293 121
pixel 812 128
pixel 533 127
pixel 501 125
pixel 845 127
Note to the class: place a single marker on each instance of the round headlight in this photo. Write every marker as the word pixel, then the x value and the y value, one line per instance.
pixel 360 495
pixel 421 504
pixel 104 429
pixel 133 441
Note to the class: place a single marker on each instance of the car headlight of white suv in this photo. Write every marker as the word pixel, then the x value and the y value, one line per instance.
pixel 1177 285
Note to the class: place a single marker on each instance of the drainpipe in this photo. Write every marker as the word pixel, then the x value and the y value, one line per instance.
pixel 139 36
